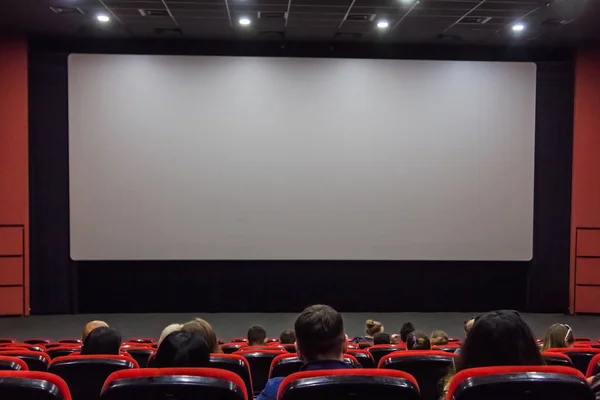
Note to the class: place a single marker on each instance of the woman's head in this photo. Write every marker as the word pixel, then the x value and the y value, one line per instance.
pixel 439 338
pixel 168 330
pixel 182 349
pixel 373 327
pixel 499 338
pixel 417 341
pixel 407 328
pixel 102 340
pixel 558 336
pixel 206 331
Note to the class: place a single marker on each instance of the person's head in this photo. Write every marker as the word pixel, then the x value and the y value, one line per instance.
pixel 102 340
pixel 257 336
pixel 373 327
pixel 417 341
pixel 206 331
pixel 90 326
pixel 168 330
pixel 182 349
pixel 468 325
pixel 499 338
pixel 439 338
pixel 320 334
pixel 287 337
pixel 558 336
pixel 381 338
pixel 407 328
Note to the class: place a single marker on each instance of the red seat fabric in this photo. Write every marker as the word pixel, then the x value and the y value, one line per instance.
pixel 70 341
pixel 234 363
pixel 378 351
pixel 593 366
pixel 239 340
pixel 23 346
pixel 35 360
pixel 554 358
pixel 229 348
pixel 365 359
pixel 12 364
pixel 580 357
pixel 139 354
pixel 141 340
pixel 62 351
pixel 515 382
pixel 7 340
pixel 260 365
pixel 284 365
pixel 32 385
pixel 179 383
pixel 37 341
pixel 356 384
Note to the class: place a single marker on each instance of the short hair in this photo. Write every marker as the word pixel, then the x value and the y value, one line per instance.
pixel 439 338
pixel 168 330
pixel 319 332
pixel 182 349
pixel 102 340
pixel 256 335
pixel 206 331
pixel 287 337
pixel 407 328
pixel 381 338
pixel 418 341
pixel 372 327
pixel 90 326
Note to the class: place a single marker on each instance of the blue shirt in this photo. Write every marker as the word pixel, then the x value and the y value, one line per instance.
pixel 272 386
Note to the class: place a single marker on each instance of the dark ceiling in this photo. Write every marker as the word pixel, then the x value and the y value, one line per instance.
pixel 410 21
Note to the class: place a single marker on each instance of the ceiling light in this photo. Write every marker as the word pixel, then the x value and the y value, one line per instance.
pixel 518 27
pixel 244 21
pixel 102 18
pixel 383 24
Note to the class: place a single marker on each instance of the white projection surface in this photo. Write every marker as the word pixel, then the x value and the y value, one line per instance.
pixel 198 158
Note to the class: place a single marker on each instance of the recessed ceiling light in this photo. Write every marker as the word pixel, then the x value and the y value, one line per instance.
pixel 518 27
pixel 244 21
pixel 102 18
pixel 383 24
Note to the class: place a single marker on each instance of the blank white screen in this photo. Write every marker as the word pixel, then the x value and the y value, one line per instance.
pixel 176 157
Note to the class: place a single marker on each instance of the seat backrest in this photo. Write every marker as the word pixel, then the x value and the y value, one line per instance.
pixel 239 340
pixel 580 357
pixel 350 384
pixel 32 385
pixel 229 348
pixel 23 346
pixel 12 364
pixel 553 358
pixel 545 382
pixel 236 364
pixel 289 347
pixel 448 348
pixel 35 360
pixel 593 366
pixel 364 358
pixel 140 340
pixel 70 341
pixel 37 341
pixel 428 367
pixel 86 374
pixel 62 351
pixel 364 345
pixel 380 350
pixel 260 364
pixel 140 354
pixel 7 340
pixel 285 365
pixel 174 383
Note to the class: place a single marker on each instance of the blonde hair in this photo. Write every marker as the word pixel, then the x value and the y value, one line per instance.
pixel 373 327
pixel 206 331
pixel 168 330
pixel 439 338
pixel 558 336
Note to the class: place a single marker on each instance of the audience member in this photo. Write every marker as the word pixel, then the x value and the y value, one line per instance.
pixel 558 336
pixel 406 329
pixel 439 338
pixel 287 337
pixel 321 344
pixel 182 349
pixel 206 331
pixel 102 340
pixel 417 341
pixel 381 338
pixel 257 336
pixel 371 328
pixel 168 330
pixel 90 326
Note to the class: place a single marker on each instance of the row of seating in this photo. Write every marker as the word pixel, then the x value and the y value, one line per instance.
pixel 535 382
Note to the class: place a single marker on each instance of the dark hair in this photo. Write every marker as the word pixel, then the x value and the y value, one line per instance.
pixel 417 341
pixel 319 332
pixel 102 340
pixel 256 336
pixel 287 337
pixel 407 328
pixel 499 338
pixel 381 338
pixel 183 349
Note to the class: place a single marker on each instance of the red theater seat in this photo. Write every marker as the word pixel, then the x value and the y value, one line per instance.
pixel 35 360
pixel 86 374
pixel 582 339
pixel 236 364
pixel 272 340
pixel 174 383
pixel 32 385
pixel 261 348
pixel 454 340
pixel 553 358
pixel 593 366
pixel 7 340
pixel 139 354
pixel 53 345
pixel 365 359
pixel 364 345
pixel 70 341
pixel 12 364
pixel 355 384
pixel 381 350
pixel 260 365
pixel 62 351
pixel 23 346
pixel 239 340
pixel 427 367
pixel 37 341
pixel 580 357
pixel 287 364
pixel 141 340
pixel 448 348
pixel 229 348
pixel 289 347
pixel 522 382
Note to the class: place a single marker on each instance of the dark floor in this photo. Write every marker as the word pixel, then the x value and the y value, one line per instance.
pixel 231 325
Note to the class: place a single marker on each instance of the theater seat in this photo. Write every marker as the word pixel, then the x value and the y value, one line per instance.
pixel 380 350
pixel 364 345
pixel 37 341
pixel 7 340
pixel 289 347
pixel 261 348
pixel 350 384
pixel 236 364
pixel 448 348
pixel 229 348
pixel 12 364
pixel 35 360
pixel 552 358
pixel 70 341
pixel 580 357
pixel 62 351
pixel 546 382
pixel 139 354
pixel 239 340
pixel 32 385
pixel 260 365
pixel 287 364
pixel 23 346
pixel 174 383
pixel 593 366
pixel 364 358
pixel 86 374
pixel 428 367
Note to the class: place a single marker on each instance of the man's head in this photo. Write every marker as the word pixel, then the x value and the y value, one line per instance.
pixel 406 329
pixel 320 334
pixel 102 340
pixel 381 338
pixel 90 326
pixel 257 336
pixel 287 337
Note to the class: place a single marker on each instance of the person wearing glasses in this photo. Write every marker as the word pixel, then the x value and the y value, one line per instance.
pixel 558 336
